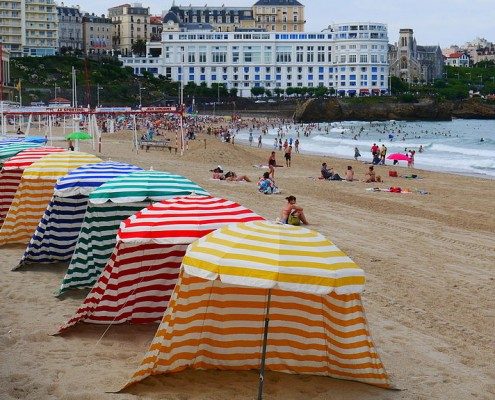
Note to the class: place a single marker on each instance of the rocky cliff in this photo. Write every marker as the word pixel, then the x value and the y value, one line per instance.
pixel 326 110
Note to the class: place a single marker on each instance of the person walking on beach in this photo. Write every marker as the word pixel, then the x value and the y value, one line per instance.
pixel 250 139
pixel 356 153
pixel 260 142
pixel 383 153
pixel 288 155
pixel 296 144
pixel 271 165
pixel 275 144
pixel 375 150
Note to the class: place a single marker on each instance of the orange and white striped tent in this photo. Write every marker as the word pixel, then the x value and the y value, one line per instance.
pixel 35 191
pixel 10 176
pixel 231 277
pixel 139 278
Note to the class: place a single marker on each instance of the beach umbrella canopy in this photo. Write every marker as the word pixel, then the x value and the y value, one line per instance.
pixel 35 192
pixel 87 178
pixel 398 157
pixel 10 175
pixel 139 278
pixel 14 148
pixel 78 136
pixel 56 236
pixel 6 140
pixel 145 185
pixel 110 204
pixel 35 139
pixel 259 285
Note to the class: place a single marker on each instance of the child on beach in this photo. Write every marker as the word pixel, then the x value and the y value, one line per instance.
pixel 349 175
pixel 371 176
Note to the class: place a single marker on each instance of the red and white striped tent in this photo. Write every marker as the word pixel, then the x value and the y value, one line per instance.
pixel 10 176
pixel 137 282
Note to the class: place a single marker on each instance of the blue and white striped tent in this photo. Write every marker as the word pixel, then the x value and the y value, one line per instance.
pixel 58 230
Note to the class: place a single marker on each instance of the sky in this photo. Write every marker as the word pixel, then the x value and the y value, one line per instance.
pixel 442 22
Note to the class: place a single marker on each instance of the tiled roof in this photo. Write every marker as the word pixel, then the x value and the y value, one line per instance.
pixel 277 3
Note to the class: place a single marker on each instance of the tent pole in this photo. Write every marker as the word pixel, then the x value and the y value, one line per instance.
pixel 263 353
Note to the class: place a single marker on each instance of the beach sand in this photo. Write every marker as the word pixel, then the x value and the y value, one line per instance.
pixel 430 297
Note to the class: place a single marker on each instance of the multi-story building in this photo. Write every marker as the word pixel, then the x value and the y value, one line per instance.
pixel 156 28
pixel 223 19
pixel 70 35
pixel 39 28
pixel 5 87
pixel 457 59
pixel 279 15
pixel 28 27
pixel 97 34
pixel 350 58
pixel 413 63
pixel 131 23
pixel 11 26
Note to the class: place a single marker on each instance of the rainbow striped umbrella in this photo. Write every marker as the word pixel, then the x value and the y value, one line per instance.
pixel 241 279
pixel 35 192
pixel 10 176
pixel 137 282
pixel 108 206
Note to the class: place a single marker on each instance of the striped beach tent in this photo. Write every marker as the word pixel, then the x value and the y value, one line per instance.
pixel 262 295
pixel 35 192
pixel 14 148
pixel 57 232
pixel 10 175
pixel 108 206
pixel 137 282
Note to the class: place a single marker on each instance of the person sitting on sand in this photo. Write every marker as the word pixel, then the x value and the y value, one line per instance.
pixel 371 176
pixel 266 185
pixel 349 175
pixel 292 213
pixel 231 176
pixel 328 174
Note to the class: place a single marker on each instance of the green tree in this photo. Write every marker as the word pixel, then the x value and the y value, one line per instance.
pixel 257 91
pixel 139 47
pixel 278 92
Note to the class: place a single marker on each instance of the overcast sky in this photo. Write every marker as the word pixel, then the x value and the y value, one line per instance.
pixel 442 22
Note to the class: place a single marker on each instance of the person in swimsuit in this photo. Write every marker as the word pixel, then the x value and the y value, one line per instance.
pixel 271 164
pixel 287 155
pixel 292 208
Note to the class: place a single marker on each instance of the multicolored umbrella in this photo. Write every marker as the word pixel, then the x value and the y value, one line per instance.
pixel 242 279
pixel 14 148
pixel 10 176
pixel 35 192
pixel 108 206
pixel 137 282
pixel 56 235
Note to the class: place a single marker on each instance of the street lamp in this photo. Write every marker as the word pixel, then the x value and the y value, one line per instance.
pixel 98 88
pixel 140 95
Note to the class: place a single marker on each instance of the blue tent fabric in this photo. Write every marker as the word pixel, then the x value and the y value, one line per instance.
pixel 57 233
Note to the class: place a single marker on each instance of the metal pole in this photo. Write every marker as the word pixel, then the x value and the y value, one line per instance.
pixel 263 352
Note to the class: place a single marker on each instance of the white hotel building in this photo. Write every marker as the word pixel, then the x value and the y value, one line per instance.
pixel 350 58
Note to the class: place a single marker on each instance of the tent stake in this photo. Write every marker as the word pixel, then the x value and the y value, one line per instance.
pixel 263 353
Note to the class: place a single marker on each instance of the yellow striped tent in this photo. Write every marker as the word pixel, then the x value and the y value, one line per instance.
pixel 237 278
pixel 35 192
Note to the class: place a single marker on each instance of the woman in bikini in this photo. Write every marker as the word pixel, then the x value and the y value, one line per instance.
pixel 271 165
pixel 292 208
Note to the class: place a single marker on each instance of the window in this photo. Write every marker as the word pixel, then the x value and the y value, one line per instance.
pixel 310 57
pixel 219 54
pixel 299 54
pixel 363 58
pixel 283 54
pixel 321 53
pixel 191 55
pixel 202 54
pixel 352 58
pixel 343 58
pixel 374 58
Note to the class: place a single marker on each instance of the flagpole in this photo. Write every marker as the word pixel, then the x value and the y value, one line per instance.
pixel 20 93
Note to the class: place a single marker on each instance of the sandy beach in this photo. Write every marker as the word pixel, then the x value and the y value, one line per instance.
pixel 429 295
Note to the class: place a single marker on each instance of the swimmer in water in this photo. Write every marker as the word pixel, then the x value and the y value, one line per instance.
pixel 482 140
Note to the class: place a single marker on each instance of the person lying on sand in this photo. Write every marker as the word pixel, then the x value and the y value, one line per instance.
pixel 231 176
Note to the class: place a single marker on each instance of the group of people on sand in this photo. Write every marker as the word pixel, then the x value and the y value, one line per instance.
pixel 229 176
pixel 327 173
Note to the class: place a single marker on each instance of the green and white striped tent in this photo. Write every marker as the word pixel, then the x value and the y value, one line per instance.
pixel 12 149
pixel 109 205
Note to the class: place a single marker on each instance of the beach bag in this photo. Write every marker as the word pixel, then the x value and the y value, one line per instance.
pixel 393 174
pixel 293 220
pixel 395 189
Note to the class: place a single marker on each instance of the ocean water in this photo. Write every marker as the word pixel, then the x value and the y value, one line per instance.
pixel 460 146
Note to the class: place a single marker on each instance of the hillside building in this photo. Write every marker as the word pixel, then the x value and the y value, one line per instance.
pixel 131 23
pixel 70 28
pixel 97 34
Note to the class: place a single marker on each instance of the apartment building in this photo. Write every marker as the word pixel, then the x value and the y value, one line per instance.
pixel 350 58
pixel 5 88
pixel 28 27
pixel 70 35
pixel 97 34
pixel 131 23
pixel 279 15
